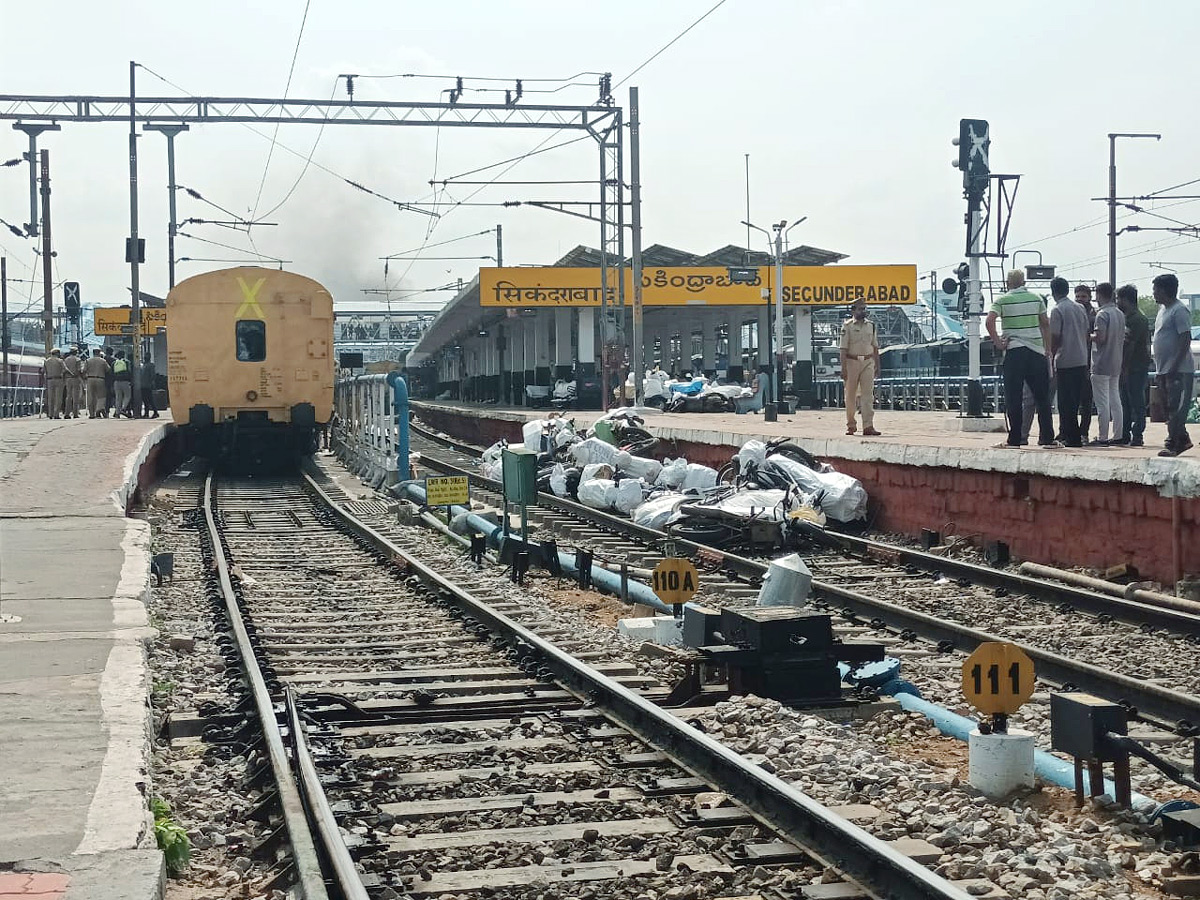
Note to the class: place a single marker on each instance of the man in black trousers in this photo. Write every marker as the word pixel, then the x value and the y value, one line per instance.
pixel 1026 339
pixel 1069 345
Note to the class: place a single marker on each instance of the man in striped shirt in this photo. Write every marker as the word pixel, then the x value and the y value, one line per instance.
pixel 1022 316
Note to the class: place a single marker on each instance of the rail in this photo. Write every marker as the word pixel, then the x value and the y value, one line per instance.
pixel 836 842
pixel 918 392
pixel 18 401
pixel 306 862
pixel 1169 708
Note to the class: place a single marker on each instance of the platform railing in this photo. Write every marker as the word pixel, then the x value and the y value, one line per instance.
pixel 919 392
pixel 365 432
pixel 20 401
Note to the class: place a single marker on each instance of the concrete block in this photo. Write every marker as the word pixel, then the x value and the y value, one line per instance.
pixel 641 629
pixel 668 630
pixel 1000 763
pixel 976 426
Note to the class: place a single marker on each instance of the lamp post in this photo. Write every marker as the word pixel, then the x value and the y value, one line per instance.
pixel 781 230
pixel 1112 198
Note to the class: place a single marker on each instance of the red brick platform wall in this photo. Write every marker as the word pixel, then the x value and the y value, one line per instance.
pixel 1055 521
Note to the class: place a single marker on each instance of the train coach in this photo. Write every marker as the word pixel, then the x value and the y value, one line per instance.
pixel 250 365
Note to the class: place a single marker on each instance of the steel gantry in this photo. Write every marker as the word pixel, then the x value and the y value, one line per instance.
pixel 602 120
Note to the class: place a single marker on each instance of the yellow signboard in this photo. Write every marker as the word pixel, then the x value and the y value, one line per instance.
pixel 997 678
pixel 675 580
pixel 569 286
pixel 447 490
pixel 113 322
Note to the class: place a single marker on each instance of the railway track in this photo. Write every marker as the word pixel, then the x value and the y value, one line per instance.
pixel 443 747
pixel 1142 656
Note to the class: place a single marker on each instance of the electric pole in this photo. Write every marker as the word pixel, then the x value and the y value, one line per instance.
pixel 1112 199
pixel 4 379
pixel 134 246
pixel 169 131
pixel 499 247
pixel 47 261
pixel 635 219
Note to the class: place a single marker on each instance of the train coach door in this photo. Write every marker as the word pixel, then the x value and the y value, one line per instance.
pixel 319 356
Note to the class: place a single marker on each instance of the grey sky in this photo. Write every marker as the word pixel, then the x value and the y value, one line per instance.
pixel 846 108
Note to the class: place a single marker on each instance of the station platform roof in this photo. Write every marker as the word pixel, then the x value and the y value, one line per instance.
pixel 464 315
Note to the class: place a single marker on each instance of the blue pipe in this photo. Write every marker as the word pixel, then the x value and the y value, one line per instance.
pixel 1047 767
pixel 601 577
pixel 400 399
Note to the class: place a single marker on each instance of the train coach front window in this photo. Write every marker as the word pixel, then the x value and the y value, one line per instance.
pixel 251 340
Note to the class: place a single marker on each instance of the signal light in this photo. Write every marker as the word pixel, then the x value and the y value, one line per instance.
pixel 974 145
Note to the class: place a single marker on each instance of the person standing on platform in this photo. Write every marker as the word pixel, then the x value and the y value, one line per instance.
pixel 74 382
pixel 146 378
pixel 96 370
pixel 1069 344
pixel 1173 361
pixel 110 393
pixel 55 371
pixel 1083 296
pixel 1135 366
pixel 123 384
pixel 1109 339
pixel 860 362
pixel 1022 315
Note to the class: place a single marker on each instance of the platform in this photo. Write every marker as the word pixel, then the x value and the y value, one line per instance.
pixel 1078 507
pixel 74 685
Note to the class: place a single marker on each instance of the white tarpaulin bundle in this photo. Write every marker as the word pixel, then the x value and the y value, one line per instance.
pixel 750 504
pixel 599 493
pixel 637 466
pixel 658 511
pixel 841 497
pixel 592 450
pixel 629 495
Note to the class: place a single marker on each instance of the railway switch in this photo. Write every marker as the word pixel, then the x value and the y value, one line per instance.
pixel 785 653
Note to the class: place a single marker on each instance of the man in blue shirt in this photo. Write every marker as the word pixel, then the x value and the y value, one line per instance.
pixel 1173 361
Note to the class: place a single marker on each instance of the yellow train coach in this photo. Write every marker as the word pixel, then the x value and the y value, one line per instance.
pixel 250 364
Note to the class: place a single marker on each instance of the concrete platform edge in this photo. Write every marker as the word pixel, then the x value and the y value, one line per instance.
pixel 1166 476
pixel 117 857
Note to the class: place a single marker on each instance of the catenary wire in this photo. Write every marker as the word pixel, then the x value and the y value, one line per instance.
pixel 287 87
pixel 671 42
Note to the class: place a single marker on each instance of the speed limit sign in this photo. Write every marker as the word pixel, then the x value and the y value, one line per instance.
pixel 997 678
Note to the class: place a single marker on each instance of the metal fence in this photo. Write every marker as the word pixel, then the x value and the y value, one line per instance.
pixel 20 401
pixel 920 392
pixel 366 426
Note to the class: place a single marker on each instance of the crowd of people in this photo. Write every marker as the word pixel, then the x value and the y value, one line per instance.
pixel 1093 356
pixel 103 383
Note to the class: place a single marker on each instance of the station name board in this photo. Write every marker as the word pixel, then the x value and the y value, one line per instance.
pixel 570 286
pixel 112 322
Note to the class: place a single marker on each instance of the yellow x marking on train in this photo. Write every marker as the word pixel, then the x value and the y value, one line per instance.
pixel 250 308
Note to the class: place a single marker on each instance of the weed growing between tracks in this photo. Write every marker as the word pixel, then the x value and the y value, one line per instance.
pixel 171 837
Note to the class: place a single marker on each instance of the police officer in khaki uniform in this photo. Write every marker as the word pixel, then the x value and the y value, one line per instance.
pixel 860 362
pixel 96 370
pixel 74 382
pixel 55 372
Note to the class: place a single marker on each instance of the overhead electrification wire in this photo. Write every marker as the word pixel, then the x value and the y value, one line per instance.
pixel 496 165
pixel 286 149
pixel 308 161
pixel 286 89
pixel 225 246
pixel 671 43
pixel 196 195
